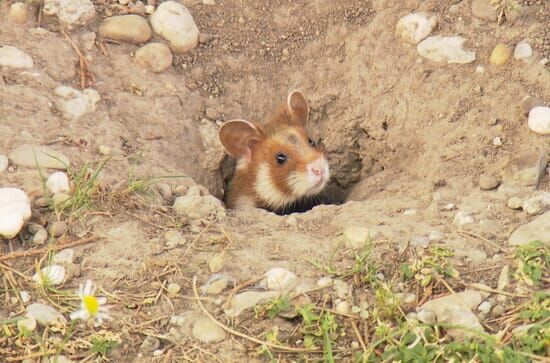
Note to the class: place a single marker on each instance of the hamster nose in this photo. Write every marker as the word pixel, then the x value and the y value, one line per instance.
pixel 316 171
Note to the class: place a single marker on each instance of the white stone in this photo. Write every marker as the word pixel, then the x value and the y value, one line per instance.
pixel 247 300
pixel 497 141
pixel 280 279
pixel 537 204
pixel 64 257
pixel 74 103
pixel 27 323
pixel 414 27
pixel 25 296
pixel 71 13
pixel 357 236
pixel 536 230
pixel 58 182
pixel 14 58
pixel 45 314
pixel 194 205
pixel 480 69
pixel 50 275
pixel 514 203
pixel 15 209
pixel 38 156
pixel 485 307
pixel 324 281
pixel 445 49
pixel 40 237
pixel 173 289
pixel 174 22
pixel 539 120
pixel 4 162
pixel 462 218
pixel 343 307
pixel 523 51
pixel 206 331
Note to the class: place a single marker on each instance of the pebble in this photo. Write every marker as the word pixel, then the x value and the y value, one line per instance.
pixel 165 190
pixel 343 307
pixel 498 310
pixel 137 8
pixel 488 182
pixel 420 241
pixel 58 182
pixel 500 55
pixel 214 151
pixel 485 307
pixel 216 284
pixel 536 230
pixel 206 331
pixel 4 163
pixel 40 237
pixel 58 228
pixel 155 57
pixel 537 204
pixel 150 344
pixel 407 300
pixel 539 120
pixel 173 289
pixel 64 257
pixel 527 177
pixel 514 203
pixel 14 58
pixel 341 288
pixel 357 236
pixel 415 27
pixel 194 205
pixel 462 218
pixel 15 209
pixel 450 206
pixel 70 13
pixel 497 141
pixel 25 296
pixel 215 264
pixel 132 29
pixel 73 103
pixel 104 150
pixel 212 113
pixel 480 69
pixel 445 49
pixel 174 22
pixel 246 300
pixel 51 275
pixel 174 238
pixel 324 281
pixel 484 9
pixel 149 9
pixel 504 278
pixel 19 13
pixel 280 279
pixel 38 156
pixel 45 314
pixel 27 323
pixel 523 51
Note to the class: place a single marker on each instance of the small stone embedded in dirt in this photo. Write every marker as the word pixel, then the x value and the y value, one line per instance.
pixel 280 279
pixel 523 51
pixel 480 69
pixel 149 344
pixel 132 29
pixel 501 54
pixel 174 22
pixel 342 307
pixel 341 288
pixel 36 156
pixel 504 278
pixel 71 13
pixel 497 141
pixel 58 182
pixel 58 228
pixel 206 331
pixel 4 162
pixel 155 57
pixel 104 150
pixel 19 13
pixel 357 236
pixel 45 315
pixel 215 264
pixel 324 281
pixel 15 209
pixel 484 9
pixel 527 177
pixel 50 275
pixel 455 309
pixel 536 230
pixel 488 182
pixel 212 113
pixel 537 204
pixel 64 257
pixel 214 151
pixel 40 237
pixel 246 300
pixel 415 27
pixel 174 238
pixel 173 289
pixel 445 49
pixel 420 241
pixel 73 103
pixel 514 203
pixel 27 323
pixel 194 205
pixel 407 300
pixel 25 296
pixel 216 284
pixel 485 307
pixel 539 120
pixel 14 58
pixel 463 218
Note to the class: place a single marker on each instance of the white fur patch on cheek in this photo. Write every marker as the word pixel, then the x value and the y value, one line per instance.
pixel 241 164
pixel 299 182
pixel 267 191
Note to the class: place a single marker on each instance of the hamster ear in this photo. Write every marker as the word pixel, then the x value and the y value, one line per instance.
pixel 298 108
pixel 238 136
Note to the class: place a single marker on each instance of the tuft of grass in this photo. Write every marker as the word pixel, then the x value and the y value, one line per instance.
pixel 533 262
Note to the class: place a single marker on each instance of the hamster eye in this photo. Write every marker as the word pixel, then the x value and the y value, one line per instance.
pixel 311 142
pixel 281 158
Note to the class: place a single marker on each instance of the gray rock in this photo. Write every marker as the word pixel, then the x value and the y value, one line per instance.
pixel 527 177
pixel 523 51
pixel 536 230
pixel 73 103
pixel 488 182
pixel 247 300
pixel 194 205
pixel 132 29
pixel 206 331
pixel 58 228
pixel 45 314
pixel 174 238
pixel 4 162
pixel 155 57
pixel 485 307
pixel 14 58
pixel 150 344
pixel 537 204
pixel 41 156
pixel 445 49
pixel 426 316
pixel 484 9
pixel 40 237
pixel 71 13
pixel 414 27
pixel 64 257
pixel 214 151
pixel 173 22
pixel 216 284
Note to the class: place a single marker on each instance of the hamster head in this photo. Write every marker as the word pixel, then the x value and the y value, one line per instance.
pixel 277 163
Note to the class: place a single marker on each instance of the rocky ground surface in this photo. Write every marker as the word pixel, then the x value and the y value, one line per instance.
pixel 435 118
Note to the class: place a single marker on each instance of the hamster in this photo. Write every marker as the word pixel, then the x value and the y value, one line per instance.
pixel 277 165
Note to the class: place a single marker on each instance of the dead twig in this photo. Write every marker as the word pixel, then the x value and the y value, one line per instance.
pixel 491 243
pixel 85 73
pixel 40 251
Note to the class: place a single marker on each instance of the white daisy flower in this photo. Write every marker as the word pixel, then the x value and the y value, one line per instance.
pixel 90 306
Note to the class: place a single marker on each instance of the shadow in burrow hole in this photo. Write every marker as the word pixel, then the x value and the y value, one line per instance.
pixel 333 194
